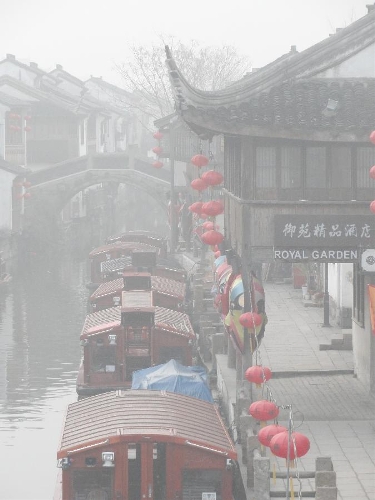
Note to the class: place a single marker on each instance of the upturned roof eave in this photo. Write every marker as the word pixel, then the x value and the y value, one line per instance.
pixel 312 61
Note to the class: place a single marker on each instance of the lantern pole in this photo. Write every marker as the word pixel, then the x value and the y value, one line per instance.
pixel 288 450
pixel 326 297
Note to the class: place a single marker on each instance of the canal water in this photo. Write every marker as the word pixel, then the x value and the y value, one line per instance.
pixel 41 316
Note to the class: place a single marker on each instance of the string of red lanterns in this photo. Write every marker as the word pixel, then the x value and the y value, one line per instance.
pixel 157 149
pixel 372 171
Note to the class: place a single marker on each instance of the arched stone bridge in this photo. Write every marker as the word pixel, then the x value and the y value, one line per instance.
pixel 53 187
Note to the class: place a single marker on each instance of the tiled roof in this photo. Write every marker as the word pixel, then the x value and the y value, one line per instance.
pixel 168 287
pixel 127 246
pixel 113 265
pixel 109 287
pixel 124 414
pixel 165 319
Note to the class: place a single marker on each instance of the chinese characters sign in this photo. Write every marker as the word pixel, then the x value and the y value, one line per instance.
pixel 324 231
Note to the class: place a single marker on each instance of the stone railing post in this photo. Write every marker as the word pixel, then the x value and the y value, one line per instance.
pixel 261 477
pixel 325 479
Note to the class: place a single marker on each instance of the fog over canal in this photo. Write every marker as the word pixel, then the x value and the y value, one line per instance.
pixel 41 317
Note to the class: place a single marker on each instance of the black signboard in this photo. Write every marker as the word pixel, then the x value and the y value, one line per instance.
pixel 326 232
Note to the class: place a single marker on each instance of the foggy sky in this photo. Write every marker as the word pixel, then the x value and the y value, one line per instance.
pixel 89 36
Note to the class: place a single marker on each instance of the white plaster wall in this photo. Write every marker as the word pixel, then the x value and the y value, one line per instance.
pixel 18 73
pixel 9 90
pixel 340 285
pixel 6 181
pixel 3 110
pixel 364 347
pixel 361 64
pixel 70 87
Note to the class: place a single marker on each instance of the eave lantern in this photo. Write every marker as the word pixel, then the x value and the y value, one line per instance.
pixel 372 137
pixel 196 207
pixel 297 443
pixel 212 237
pixel 212 208
pixel 250 319
pixel 198 184
pixel 157 135
pixel 157 164
pixel 263 410
pixel 212 178
pixel 258 374
pixel 266 433
pixel 199 161
pixel 372 207
pixel 372 172
pixel 157 150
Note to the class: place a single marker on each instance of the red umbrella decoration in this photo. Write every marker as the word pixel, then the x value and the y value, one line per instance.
pixel 157 150
pixel 298 445
pixel 250 319
pixel 258 374
pixel 196 207
pixel 212 178
pixel 198 184
pixel 263 410
pixel 212 237
pixel 157 135
pixel 157 164
pixel 266 433
pixel 212 208
pixel 200 161
pixel 372 137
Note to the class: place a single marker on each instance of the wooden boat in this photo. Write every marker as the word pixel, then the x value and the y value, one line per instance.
pixel 165 292
pixel 113 251
pixel 155 445
pixel 147 237
pixel 118 340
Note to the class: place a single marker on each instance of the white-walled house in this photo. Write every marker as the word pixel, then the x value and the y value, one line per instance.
pixel 10 177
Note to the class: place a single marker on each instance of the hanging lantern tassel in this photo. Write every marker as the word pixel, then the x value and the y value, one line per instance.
pixel 291 488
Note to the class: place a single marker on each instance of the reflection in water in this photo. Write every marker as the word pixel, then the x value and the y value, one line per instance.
pixel 41 317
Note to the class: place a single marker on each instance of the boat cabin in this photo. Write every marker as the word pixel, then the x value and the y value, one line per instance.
pixel 166 293
pixel 147 237
pixel 144 444
pixel 111 251
pixel 136 335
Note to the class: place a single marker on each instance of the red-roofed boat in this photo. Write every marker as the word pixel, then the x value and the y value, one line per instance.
pixel 146 444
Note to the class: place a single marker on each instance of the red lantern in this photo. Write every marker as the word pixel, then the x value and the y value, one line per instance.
pixel 202 216
pixel 27 128
pixel 372 207
pixel 212 178
pixel 157 150
pixel 212 208
pixel 196 207
pixel 157 164
pixel 217 254
pixel 199 161
pixel 19 196
pixel 372 137
pixel 258 374
pixel 26 184
pixel 14 116
pixel 198 184
pixel 27 118
pixel 208 225
pixel 299 445
pixel 263 410
pixel 268 432
pixel 17 128
pixel 212 238
pixel 250 320
pixel 27 195
pixel 372 172
pixel 158 135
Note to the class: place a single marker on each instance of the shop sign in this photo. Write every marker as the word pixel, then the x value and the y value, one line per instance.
pixel 316 254
pixel 314 232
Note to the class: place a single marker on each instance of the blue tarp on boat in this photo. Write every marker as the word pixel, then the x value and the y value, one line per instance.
pixel 174 377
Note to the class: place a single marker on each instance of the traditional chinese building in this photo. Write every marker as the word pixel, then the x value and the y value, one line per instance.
pixel 297 160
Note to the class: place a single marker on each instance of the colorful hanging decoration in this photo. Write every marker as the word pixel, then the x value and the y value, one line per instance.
pixel 217 254
pixel 196 207
pixel 212 178
pixel 199 160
